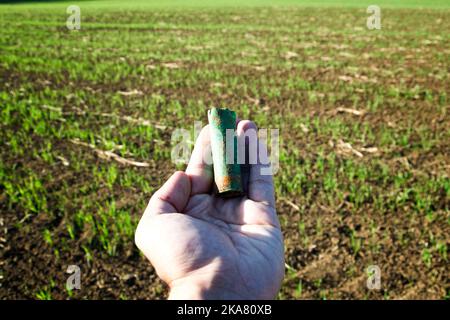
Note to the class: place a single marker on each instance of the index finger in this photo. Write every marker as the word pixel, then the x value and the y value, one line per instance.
pixel 199 168
pixel 260 181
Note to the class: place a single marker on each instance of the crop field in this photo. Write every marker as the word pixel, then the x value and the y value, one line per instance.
pixel 87 116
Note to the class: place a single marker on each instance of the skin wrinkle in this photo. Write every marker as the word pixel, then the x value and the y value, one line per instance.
pixel 260 181
pixel 259 250
pixel 272 247
pixel 166 199
pixel 203 204
pixel 263 206
pixel 198 166
pixel 240 253
pixel 228 224
pixel 257 183
pixel 197 246
pixel 205 217
pixel 245 282
pixel 197 273
pixel 241 207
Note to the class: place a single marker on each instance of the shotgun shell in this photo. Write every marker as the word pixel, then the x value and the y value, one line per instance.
pixel 227 170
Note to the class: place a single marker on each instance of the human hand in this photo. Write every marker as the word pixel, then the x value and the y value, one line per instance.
pixel 207 247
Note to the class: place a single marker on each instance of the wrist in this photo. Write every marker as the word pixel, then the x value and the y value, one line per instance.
pixel 192 290
pixel 187 292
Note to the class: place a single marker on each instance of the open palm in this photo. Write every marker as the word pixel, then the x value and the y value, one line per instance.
pixel 204 246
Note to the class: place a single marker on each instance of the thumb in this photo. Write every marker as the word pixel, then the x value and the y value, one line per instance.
pixel 172 196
